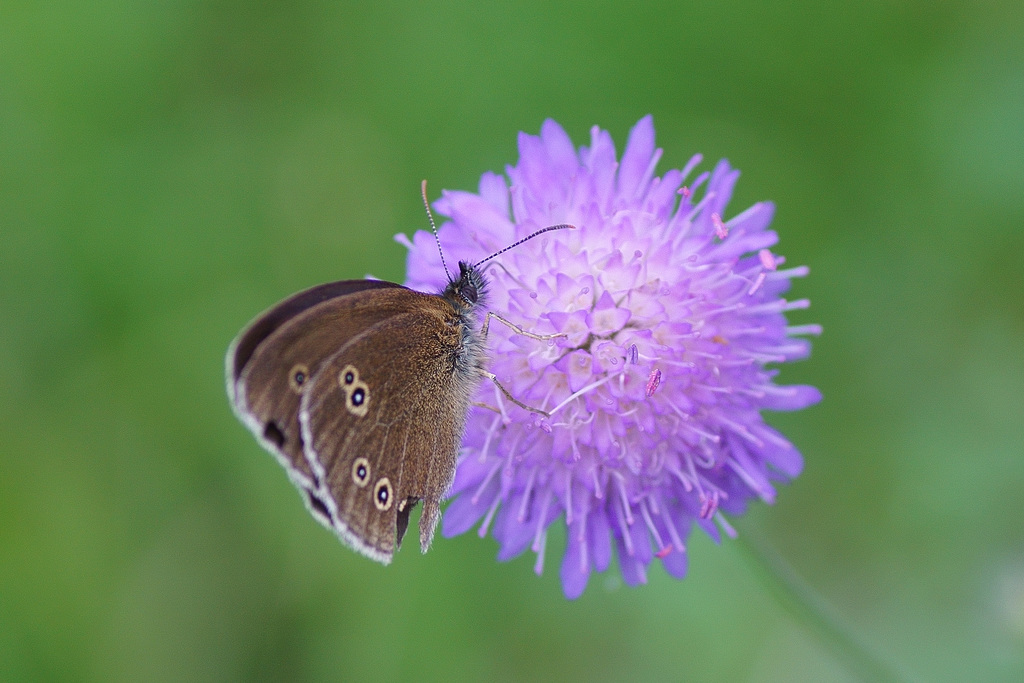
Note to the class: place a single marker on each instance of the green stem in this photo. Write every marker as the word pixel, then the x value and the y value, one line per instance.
pixel 804 605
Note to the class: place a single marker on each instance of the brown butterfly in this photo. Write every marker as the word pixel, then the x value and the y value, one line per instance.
pixel 360 389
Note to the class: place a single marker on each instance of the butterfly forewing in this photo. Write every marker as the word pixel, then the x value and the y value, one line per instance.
pixel 257 331
pixel 377 432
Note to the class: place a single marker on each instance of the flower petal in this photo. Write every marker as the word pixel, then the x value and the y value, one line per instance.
pixel 637 157
pixel 575 565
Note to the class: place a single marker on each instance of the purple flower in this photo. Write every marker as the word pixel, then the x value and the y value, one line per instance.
pixel 670 313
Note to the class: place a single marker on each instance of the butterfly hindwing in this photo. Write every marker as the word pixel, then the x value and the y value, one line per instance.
pixel 381 423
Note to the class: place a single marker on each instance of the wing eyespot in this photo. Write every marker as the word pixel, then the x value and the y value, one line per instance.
pixel 383 494
pixel 357 393
pixel 361 472
pixel 357 399
pixel 297 377
pixel 348 376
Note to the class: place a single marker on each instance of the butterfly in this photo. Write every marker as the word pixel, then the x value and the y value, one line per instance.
pixel 360 389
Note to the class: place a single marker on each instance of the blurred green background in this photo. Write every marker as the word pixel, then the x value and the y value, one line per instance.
pixel 168 170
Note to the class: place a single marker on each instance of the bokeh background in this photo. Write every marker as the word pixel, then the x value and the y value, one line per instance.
pixel 168 170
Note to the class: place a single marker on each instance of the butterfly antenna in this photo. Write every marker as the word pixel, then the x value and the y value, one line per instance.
pixel 561 226
pixel 433 228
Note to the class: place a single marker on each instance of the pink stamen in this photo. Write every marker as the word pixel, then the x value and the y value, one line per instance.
pixel 767 259
pixel 664 549
pixel 721 231
pixel 673 533
pixel 708 505
pixel 653 381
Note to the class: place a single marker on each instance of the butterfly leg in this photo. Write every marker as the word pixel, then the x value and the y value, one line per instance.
pixel 512 398
pixel 516 329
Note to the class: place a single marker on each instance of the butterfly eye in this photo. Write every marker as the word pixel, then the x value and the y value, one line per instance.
pixel 382 494
pixel 361 472
pixel 297 377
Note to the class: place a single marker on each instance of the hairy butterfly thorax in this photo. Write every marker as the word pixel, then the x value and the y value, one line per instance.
pixel 468 295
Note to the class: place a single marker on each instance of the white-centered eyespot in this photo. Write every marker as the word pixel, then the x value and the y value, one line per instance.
pixel 357 399
pixel 297 377
pixel 382 494
pixel 361 472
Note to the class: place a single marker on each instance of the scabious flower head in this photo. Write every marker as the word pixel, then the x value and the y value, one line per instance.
pixel 671 315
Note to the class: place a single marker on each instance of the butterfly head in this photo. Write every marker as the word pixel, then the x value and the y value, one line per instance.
pixel 467 291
